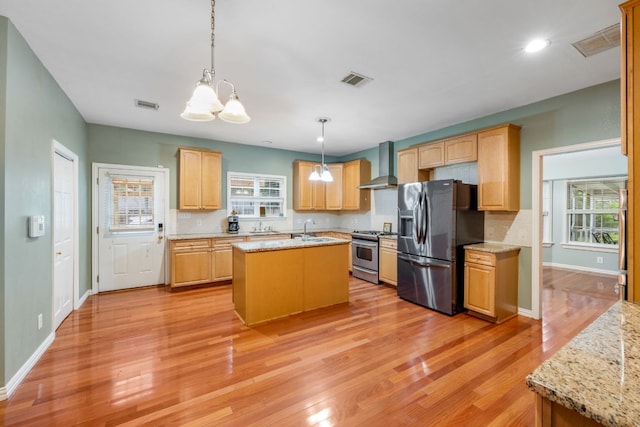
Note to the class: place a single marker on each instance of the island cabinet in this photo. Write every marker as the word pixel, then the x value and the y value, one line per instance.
pixel 491 281
pixel 200 179
pixel 388 260
pixel 356 172
pixel 222 258
pixel 339 235
pixel 499 168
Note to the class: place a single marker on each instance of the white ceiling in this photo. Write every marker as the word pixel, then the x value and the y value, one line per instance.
pixel 434 63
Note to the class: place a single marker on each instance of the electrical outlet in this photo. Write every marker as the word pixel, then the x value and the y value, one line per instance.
pixel 199 222
pixel 184 215
pixel 599 260
pixel 39 321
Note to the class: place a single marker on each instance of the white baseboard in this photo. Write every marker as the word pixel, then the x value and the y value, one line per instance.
pixel 14 382
pixel 83 298
pixel 578 268
pixel 525 312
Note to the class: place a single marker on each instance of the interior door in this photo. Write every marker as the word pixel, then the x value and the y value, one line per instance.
pixel 131 227
pixel 63 245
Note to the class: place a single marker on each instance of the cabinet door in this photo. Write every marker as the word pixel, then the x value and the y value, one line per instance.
pixel 388 266
pixel 222 261
pixel 431 155
pixel 334 190
pixel 408 165
pixel 318 195
pixel 190 179
pixel 461 149
pixel 190 267
pixel 302 187
pixel 479 288
pixel 356 172
pixel 499 169
pixel 211 197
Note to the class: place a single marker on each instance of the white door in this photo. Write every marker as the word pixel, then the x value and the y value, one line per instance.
pixel 131 227
pixel 63 245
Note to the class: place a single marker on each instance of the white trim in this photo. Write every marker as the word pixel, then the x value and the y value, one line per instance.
pixel 613 249
pixel 84 297
pixel 58 148
pixel 284 194
pixel 536 204
pixel 14 382
pixel 94 211
pixel 580 269
pixel 525 312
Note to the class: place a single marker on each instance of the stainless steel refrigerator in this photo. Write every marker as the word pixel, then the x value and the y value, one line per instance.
pixel 435 220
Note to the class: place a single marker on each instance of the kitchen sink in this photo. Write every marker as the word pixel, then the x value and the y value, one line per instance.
pixel 264 232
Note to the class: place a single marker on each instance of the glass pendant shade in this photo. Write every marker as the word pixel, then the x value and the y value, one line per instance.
pixel 315 176
pixel 234 111
pixel 197 115
pixel 326 175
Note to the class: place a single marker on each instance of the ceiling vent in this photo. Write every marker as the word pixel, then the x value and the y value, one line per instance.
pixel 146 104
pixel 355 79
pixel 599 42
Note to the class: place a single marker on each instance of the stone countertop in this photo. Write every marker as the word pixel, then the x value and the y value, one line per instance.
pixel 597 374
pixel 494 248
pixel 389 236
pixel 297 243
pixel 223 234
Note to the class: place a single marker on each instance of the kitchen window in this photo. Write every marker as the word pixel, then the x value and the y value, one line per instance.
pixel 592 212
pixel 257 195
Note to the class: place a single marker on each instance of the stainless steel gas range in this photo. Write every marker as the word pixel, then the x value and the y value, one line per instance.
pixel 364 254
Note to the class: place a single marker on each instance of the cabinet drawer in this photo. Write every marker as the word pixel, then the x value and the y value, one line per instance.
pixel 182 245
pixel 225 242
pixel 389 243
pixel 477 257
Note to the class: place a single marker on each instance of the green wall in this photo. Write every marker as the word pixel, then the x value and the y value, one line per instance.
pixel 35 111
pixel 133 147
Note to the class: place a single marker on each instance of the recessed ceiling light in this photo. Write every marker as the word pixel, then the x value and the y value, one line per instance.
pixel 537 45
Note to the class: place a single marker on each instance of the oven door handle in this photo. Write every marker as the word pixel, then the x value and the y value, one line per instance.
pixel 420 261
pixel 361 243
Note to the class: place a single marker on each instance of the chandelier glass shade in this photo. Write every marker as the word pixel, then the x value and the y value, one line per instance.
pixel 205 103
pixel 321 172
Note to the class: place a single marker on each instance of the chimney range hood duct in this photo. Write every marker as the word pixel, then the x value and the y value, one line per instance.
pixel 385 169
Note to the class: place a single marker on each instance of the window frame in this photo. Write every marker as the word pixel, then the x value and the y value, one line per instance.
pixel 591 245
pixel 111 205
pixel 256 177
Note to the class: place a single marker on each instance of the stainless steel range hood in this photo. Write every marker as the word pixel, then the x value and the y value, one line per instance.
pixel 386 179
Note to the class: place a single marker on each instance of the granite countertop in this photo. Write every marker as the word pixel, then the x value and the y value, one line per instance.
pixel 389 236
pixel 297 243
pixel 494 248
pixel 248 233
pixel 597 374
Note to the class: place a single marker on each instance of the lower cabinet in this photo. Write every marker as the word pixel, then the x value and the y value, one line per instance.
pixel 222 258
pixel 190 262
pixel 338 235
pixel 491 282
pixel 388 261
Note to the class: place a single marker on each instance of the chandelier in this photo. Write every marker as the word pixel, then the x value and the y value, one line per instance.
pixel 205 104
pixel 321 172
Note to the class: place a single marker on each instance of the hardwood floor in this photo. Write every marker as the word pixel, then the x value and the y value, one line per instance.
pixel 150 357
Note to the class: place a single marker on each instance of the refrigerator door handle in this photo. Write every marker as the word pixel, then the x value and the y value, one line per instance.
pixel 421 262
pixel 425 217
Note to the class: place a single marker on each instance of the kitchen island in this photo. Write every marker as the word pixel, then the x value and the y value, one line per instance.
pixel 277 278
pixel 595 378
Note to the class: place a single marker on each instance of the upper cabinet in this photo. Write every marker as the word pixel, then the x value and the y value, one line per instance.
pixel 408 170
pixel 200 179
pixel 431 155
pixel 341 194
pixel 499 168
pixel 461 149
pixel 356 172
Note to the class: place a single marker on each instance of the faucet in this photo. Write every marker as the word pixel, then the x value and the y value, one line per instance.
pixel 304 234
pixel 260 225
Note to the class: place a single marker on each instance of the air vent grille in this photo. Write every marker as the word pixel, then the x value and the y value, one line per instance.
pixel 146 104
pixel 356 79
pixel 605 39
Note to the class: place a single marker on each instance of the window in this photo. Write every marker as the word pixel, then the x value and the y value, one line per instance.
pixel 547 214
pixel 255 195
pixel 592 211
pixel 131 204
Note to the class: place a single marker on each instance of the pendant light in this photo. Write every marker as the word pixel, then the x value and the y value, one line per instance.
pixel 205 103
pixel 321 172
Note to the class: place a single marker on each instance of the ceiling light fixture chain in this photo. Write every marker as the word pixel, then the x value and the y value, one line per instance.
pixel 205 103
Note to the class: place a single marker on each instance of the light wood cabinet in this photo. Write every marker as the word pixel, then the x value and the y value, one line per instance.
pixel 356 172
pixel 499 168
pixel 341 194
pixel 190 262
pixel 491 284
pixel 461 149
pixel 630 122
pixel 388 261
pixel 200 179
pixel 334 190
pixel 307 195
pixel 408 170
pixel 431 155
pixel 338 235
pixel 222 258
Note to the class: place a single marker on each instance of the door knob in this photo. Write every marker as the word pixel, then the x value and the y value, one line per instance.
pixel 58 253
